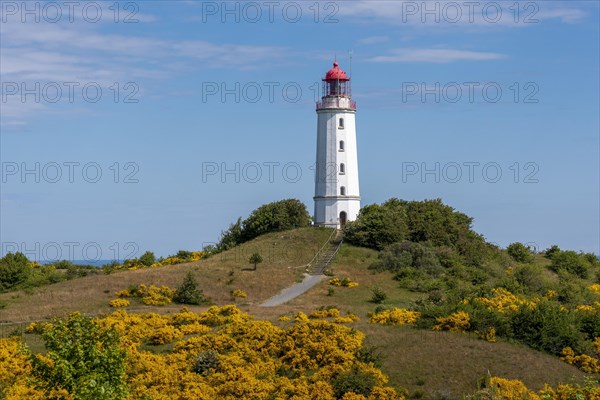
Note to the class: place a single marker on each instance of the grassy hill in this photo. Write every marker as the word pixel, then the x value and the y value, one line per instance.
pixel 429 364
pixel 285 255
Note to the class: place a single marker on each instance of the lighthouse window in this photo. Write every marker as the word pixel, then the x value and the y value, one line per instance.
pixel 343 191
pixel 341 145
pixel 341 124
pixel 342 169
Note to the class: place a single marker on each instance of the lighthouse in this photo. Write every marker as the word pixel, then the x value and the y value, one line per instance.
pixel 337 195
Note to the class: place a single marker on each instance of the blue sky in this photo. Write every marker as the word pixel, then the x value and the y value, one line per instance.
pixel 491 106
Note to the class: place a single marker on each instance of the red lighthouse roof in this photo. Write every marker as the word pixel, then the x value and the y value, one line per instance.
pixel 336 74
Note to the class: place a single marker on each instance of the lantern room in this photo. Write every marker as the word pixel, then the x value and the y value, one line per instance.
pixel 336 83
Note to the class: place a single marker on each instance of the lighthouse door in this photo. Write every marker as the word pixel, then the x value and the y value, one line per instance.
pixel 343 218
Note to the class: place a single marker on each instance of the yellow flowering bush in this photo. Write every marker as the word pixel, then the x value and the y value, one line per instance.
pixel 135 264
pixel 335 282
pixel 123 293
pixel 301 317
pixel 223 353
pixel 15 370
pixel 345 282
pixel 168 261
pixel 456 322
pixel 511 389
pixel 504 301
pixel 488 335
pixel 165 335
pixel 152 295
pixel 346 319
pixel 584 362
pixel 329 312
pixel 116 303
pixel 585 308
pixel 595 288
pixel 217 316
pixel 194 329
pixel 36 327
pixel 568 392
pixel 228 355
pixel 239 293
pixel 395 316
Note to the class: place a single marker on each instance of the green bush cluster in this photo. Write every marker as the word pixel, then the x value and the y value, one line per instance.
pixel 578 264
pixel 428 221
pixel 188 292
pixel 86 360
pixel 17 272
pixel 206 361
pixel 550 325
pixel 272 217
pixel 519 252
pixel 430 248
pixel 354 381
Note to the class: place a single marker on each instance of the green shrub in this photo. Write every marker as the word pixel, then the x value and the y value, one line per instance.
pixel 570 289
pixel 428 221
pixel 255 259
pixel 14 270
pixel 378 225
pixel 62 264
pixel 379 296
pixel 184 255
pixel 549 253
pixel 272 217
pixel 148 258
pixel 87 360
pixel 519 252
pixel 400 256
pixel 370 355
pixel 482 318
pixel 206 361
pixel 547 327
pixel 188 292
pixel 572 262
pixel 530 277
pixel 355 381
pixel 476 276
pixel 590 324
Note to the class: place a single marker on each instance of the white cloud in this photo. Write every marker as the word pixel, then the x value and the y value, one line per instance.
pixel 373 40
pixel 447 13
pixel 567 15
pixel 51 47
pixel 78 53
pixel 435 56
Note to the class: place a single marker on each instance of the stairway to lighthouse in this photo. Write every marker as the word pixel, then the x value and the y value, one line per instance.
pixel 326 254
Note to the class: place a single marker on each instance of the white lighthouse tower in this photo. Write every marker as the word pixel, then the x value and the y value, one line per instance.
pixel 337 196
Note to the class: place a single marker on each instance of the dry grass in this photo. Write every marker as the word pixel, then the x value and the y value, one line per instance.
pixel 450 364
pixel 285 254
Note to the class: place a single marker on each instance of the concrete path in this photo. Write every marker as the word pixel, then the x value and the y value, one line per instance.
pixel 293 291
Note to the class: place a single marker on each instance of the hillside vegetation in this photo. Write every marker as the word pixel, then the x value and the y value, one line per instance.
pixel 444 313
pixel 285 255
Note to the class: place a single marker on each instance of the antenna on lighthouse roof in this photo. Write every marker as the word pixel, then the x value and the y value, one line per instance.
pixel 350 52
